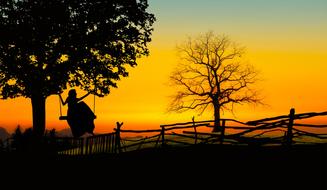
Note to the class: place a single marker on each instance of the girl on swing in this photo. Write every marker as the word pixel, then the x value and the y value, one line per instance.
pixel 80 117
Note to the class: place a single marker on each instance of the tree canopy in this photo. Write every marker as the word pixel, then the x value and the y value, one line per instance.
pixel 48 45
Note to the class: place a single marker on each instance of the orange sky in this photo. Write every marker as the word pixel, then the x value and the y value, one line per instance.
pixel 290 53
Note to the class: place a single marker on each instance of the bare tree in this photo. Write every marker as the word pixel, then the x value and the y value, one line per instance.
pixel 211 74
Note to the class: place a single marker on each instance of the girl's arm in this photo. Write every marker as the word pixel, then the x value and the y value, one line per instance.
pixel 62 101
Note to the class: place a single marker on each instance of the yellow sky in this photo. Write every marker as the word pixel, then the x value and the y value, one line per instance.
pixel 291 55
pixel 290 79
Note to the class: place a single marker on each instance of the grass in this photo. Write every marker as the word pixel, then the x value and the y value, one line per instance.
pixel 189 140
pixel 222 166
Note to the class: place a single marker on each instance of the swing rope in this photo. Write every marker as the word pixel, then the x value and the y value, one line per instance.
pixel 95 90
pixel 60 106
pixel 94 104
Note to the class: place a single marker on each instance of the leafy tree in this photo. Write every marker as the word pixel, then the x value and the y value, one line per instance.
pixel 48 45
pixel 211 74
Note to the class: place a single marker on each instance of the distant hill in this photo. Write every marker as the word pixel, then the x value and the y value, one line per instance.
pixel 64 133
pixel 4 134
pixel 68 133
pixel 60 133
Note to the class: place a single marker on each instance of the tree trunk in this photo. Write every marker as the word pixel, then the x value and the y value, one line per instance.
pixel 216 127
pixel 38 108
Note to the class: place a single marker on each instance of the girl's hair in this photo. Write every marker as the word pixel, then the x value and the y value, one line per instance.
pixel 72 92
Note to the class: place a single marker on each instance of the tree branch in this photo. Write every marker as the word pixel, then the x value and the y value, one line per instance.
pixel 211 69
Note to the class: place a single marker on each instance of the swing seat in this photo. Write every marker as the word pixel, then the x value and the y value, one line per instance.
pixel 63 118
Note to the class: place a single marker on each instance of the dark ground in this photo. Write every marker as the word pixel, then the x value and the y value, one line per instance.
pixel 203 166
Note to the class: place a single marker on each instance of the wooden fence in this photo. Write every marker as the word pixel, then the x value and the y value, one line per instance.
pixel 287 132
pixel 157 139
pixel 97 144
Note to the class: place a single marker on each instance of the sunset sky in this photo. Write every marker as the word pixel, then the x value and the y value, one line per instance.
pixel 285 40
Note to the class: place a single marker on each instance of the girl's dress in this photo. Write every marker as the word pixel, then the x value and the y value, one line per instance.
pixel 80 117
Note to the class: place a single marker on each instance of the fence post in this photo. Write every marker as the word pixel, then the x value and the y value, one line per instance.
pixel 289 134
pixel 222 135
pixel 196 134
pixel 118 146
pixel 82 146
pixel 86 152
pixel 162 136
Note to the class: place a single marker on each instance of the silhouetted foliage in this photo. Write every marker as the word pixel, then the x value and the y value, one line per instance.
pixel 17 138
pixel 46 45
pixel 52 133
pixel 22 141
pixel 211 74
pixel 28 142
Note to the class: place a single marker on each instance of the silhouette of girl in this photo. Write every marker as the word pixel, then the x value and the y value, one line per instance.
pixel 80 117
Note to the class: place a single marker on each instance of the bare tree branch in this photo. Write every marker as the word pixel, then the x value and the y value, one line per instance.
pixel 211 74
